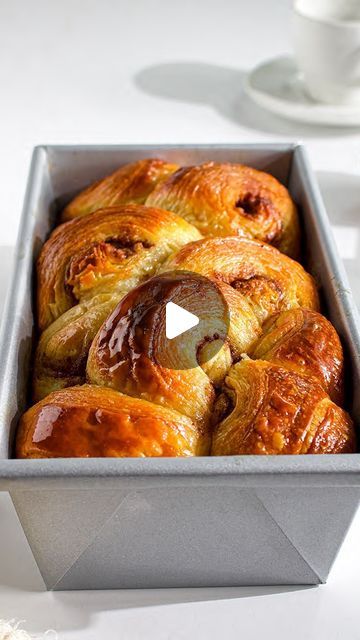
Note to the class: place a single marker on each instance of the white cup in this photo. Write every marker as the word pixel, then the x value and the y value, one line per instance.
pixel 327 49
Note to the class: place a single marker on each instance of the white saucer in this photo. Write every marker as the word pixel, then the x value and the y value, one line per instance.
pixel 277 85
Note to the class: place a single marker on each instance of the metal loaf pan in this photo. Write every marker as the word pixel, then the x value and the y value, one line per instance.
pixel 242 520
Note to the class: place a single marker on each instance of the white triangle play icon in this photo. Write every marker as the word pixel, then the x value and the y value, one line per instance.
pixel 178 320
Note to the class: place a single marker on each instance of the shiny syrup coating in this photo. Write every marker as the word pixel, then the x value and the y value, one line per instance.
pixel 89 421
pixel 277 411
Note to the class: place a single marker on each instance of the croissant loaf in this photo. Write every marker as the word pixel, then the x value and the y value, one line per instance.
pixel 268 376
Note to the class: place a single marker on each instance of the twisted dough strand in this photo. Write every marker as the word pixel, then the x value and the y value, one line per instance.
pixel 276 411
pixel 84 269
pixel 232 199
pixel 114 247
pixel 304 341
pixel 130 184
pixel 257 272
pixel 281 402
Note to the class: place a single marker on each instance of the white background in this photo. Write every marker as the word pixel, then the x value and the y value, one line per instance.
pixel 78 71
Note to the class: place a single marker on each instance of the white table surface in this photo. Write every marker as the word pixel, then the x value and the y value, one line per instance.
pixel 152 71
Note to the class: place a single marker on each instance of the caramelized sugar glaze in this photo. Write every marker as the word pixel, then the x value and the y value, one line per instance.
pixel 101 385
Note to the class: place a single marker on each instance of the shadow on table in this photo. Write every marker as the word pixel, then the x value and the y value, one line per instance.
pixel 84 606
pixel 222 88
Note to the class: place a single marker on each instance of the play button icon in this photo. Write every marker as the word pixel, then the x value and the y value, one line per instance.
pixel 175 320
pixel 178 320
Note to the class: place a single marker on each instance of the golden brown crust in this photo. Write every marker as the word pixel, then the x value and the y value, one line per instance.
pixel 131 183
pixel 84 269
pixel 89 256
pixel 89 421
pixel 305 342
pixel 62 350
pixel 100 279
pixel 232 199
pixel 277 411
pixel 260 274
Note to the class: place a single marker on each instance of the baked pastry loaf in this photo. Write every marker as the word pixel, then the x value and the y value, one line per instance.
pixel 273 410
pixel 232 199
pixel 131 183
pixel 84 269
pixel 104 281
pixel 91 422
